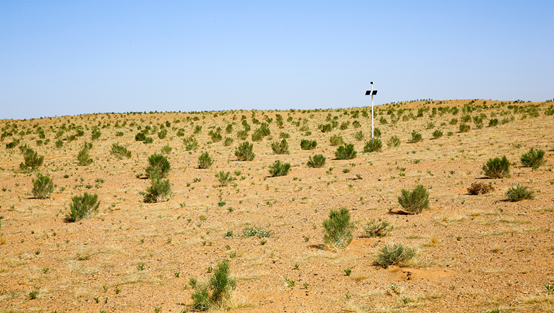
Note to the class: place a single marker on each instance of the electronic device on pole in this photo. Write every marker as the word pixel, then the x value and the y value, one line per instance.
pixel 367 93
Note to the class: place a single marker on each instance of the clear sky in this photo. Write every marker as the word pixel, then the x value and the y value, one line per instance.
pixel 74 57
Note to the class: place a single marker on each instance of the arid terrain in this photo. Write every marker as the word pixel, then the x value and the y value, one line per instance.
pixel 474 253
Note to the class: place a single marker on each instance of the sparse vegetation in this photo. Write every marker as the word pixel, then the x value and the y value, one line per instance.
pixel 394 254
pixel 345 152
pixel 518 192
pixel 82 207
pixel 533 158
pixel 279 169
pixel 159 190
pixel 158 165
pixel 393 142
pixel 205 161
pixel 338 228
pixel 375 228
pixel 317 161
pixel 83 158
pixel 416 200
pixel 244 151
pixel 497 168
pixel 120 152
pixel 224 178
pixel 280 147
pixel 217 289
pixel 43 186
pixel 374 145
pixel 306 144
pixel 416 137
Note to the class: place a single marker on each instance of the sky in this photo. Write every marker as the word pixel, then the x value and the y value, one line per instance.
pixel 78 57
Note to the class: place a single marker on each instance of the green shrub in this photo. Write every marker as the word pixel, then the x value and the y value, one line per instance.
pixel 549 111
pixel 140 136
pixel 162 134
pixel 464 128
pixel 120 152
pixel 533 158
pixel 375 228
pixel 32 159
pixel 197 129
pixel 453 121
pixel 344 125
pixel 59 143
pixel 284 135
pixel 437 134
pixel 216 137
pixel 338 228
pixel 159 190
pixel 43 186
pixel 257 135
pixel 394 254
pixel 256 232
pixel 359 135
pixel 280 147
pixel 306 144
pixel 166 149
pixel 83 158
pixel 205 161
pixel 356 124
pixel 393 142
pixel 414 201
pixel 158 165
pixel 82 207
pixel 224 178
pixel 242 134
pixel 518 193
pixel 119 134
pixel 383 120
pixel 466 118
pixel 228 141
pixel 217 289
pixel 493 122
pixel 416 137
pixel 336 140
pixel 317 161
pixel 190 143
pixel 96 134
pixel 374 145
pixel 478 121
pixel 325 128
pixel 345 152
pixel 148 140
pixel 244 151
pixel 229 128
pixel 279 169
pixel 377 132
pixel 497 168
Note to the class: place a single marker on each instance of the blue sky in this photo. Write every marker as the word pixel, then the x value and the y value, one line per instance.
pixel 75 57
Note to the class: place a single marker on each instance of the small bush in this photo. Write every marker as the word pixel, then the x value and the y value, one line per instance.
pixel 162 134
pixel 82 207
pixel 119 134
pixel 359 135
pixel 479 189
pixel 256 232
pixel 140 136
pixel 518 193
pixel 148 140
pixel 166 149
pixel 338 228
pixel 242 134
pixel 279 169
pixel 393 142
pixel 377 132
pixel 159 190
pixel 317 161
pixel 43 186
pixel 190 143
pixel 416 137
pixel 244 151
pixel 497 168
pixel 158 165
pixel 59 143
pixel 83 158
pixel 228 141
pixel 414 201
pixel 374 145
pixel 493 122
pixel 306 144
pixel 325 128
pixel 257 135
pixel 394 254
pixel 197 129
pixel 217 289
pixel 96 134
pixel 375 228
pixel 205 161
pixel 280 147
pixel 32 159
pixel 345 152
pixel 437 134
pixel 120 152
pixel 453 121
pixel 533 158
pixel 216 137
pixel 464 128
pixel 336 140
pixel 224 178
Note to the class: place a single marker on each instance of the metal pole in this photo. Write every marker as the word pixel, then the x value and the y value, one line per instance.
pixel 372 128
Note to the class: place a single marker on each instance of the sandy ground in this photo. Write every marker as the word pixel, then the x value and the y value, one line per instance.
pixel 474 253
